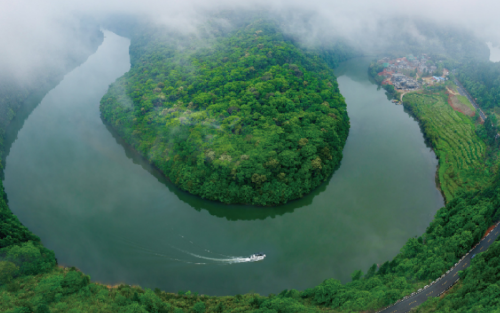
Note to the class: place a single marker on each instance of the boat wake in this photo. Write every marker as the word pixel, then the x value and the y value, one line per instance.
pixel 236 259
pixel 226 259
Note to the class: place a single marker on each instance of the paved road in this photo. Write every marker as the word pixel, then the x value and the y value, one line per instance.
pixel 445 282
pixel 463 92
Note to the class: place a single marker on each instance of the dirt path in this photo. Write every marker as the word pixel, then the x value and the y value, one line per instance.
pixel 452 92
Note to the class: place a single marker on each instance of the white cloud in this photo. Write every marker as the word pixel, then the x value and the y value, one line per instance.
pixel 36 32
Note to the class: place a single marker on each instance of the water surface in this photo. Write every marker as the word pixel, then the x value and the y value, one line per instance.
pixel 101 208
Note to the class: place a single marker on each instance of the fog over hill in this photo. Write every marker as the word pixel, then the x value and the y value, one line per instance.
pixel 37 33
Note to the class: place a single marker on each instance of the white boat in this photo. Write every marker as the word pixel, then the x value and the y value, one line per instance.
pixel 257 257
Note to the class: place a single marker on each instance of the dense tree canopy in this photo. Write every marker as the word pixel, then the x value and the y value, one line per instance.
pixel 478 290
pixel 251 118
pixel 482 80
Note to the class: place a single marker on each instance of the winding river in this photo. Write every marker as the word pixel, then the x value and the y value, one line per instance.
pixel 101 208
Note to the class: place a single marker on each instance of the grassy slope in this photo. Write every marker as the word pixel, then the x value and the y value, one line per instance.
pixel 462 99
pixel 465 101
pixel 452 134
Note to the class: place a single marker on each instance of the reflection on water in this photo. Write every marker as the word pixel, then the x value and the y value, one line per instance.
pixel 230 212
pixel 101 208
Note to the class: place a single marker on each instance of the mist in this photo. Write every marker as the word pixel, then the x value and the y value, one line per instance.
pixel 41 35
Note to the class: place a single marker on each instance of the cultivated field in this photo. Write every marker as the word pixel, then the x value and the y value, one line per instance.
pixel 453 138
pixel 460 103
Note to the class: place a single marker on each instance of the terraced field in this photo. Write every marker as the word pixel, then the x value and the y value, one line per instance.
pixel 452 136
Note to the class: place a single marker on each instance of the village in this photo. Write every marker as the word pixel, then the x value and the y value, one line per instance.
pixel 410 73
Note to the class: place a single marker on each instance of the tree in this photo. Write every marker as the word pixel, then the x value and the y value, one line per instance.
pixel 356 275
pixel 7 271
pixel 199 307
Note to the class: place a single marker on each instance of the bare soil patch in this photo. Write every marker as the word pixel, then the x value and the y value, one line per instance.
pixel 488 230
pixel 457 105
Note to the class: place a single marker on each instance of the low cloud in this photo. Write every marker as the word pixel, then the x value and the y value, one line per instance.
pixel 42 32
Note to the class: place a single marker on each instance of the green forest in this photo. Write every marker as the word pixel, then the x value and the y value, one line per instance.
pixel 250 119
pixel 478 291
pixel 482 81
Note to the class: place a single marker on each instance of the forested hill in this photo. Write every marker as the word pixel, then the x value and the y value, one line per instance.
pixel 482 80
pixel 246 117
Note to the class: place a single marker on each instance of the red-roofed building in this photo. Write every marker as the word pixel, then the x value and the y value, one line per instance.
pixel 386 73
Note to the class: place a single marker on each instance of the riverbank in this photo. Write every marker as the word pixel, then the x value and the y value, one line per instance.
pixel 21 251
pixel 453 137
pixel 18 100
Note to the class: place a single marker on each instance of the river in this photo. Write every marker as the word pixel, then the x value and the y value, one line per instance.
pixel 104 210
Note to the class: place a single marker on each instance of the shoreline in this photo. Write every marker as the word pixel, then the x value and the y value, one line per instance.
pixel 422 130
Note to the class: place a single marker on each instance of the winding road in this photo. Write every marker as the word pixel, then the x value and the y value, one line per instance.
pixel 447 281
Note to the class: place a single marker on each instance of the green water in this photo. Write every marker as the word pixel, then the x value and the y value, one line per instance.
pixel 101 208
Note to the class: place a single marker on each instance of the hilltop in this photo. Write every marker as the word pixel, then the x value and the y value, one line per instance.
pixel 248 118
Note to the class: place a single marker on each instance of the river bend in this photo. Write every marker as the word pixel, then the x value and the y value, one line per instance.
pixel 101 208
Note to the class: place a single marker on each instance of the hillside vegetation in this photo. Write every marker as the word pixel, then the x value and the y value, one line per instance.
pixel 68 290
pixel 478 290
pixel 251 118
pixel 453 137
pixel 482 81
